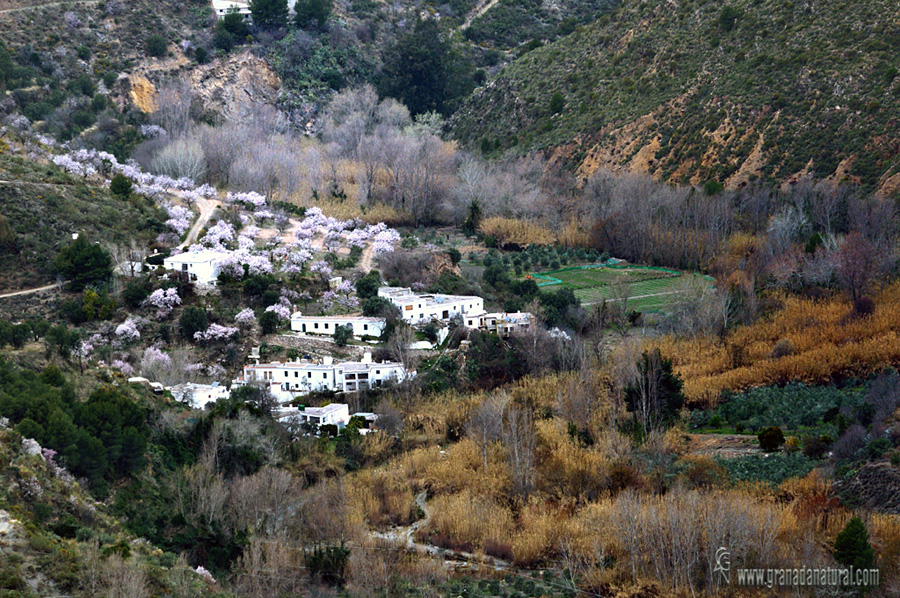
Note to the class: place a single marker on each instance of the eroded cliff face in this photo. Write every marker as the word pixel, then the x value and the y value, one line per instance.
pixel 230 87
pixel 142 93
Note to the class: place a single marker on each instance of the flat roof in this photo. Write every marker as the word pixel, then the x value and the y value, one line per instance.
pixel 405 295
pixel 226 4
pixel 194 257
pixel 320 411
pixel 509 317
pixel 352 317
pixel 310 365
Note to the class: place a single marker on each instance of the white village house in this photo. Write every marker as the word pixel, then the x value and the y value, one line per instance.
pixel 419 309
pixel 501 323
pixel 202 267
pixel 292 379
pixel 336 414
pixel 362 326
pixel 198 396
pixel 221 8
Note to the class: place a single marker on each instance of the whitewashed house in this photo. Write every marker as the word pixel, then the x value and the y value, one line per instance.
pixel 289 380
pixel 198 396
pixel 501 323
pixel 419 309
pixel 325 325
pixel 335 414
pixel 202 267
pixel 221 8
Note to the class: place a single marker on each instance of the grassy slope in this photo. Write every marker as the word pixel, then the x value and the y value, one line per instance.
pixel 649 290
pixel 45 206
pixel 810 82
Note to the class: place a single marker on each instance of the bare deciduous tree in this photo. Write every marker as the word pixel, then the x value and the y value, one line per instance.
pixel 390 420
pixel 124 579
pixel 268 568
pixel 182 158
pixel 485 425
pixel 519 439
pixel 263 502
pixel 173 107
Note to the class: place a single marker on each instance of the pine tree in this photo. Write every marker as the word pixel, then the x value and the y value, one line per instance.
pixel 312 12
pixel 425 71
pixel 852 548
pixel 269 14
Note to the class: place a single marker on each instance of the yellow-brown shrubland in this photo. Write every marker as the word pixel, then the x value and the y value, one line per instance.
pixel 515 231
pixel 827 338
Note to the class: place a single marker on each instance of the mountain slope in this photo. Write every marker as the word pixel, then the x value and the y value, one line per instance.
pixel 43 206
pixel 691 90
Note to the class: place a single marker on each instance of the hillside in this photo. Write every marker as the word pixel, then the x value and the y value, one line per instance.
pixel 692 90
pixel 44 206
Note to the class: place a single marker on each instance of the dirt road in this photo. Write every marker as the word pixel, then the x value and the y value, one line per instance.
pixel 48 5
pixel 48 287
pixel 206 207
pixel 483 7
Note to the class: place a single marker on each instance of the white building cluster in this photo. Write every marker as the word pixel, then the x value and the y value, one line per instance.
pixel 198 396
pixel 222 7
pixel 289 380
pixel 420 309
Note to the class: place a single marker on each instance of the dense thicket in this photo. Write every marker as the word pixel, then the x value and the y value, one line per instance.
pixel 101 439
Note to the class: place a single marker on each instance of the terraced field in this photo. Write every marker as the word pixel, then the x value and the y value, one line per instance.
pixel 648 289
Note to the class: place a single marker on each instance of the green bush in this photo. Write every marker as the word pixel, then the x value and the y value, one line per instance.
pixel 269 14
pixel 852 548
pixel 557 103
pixel 368 285
pixel 193 319
pixel 268 322
pixel 771 439
pixel 120 185
pixel 156 46
pixel 313 13
pixel 83 263
pixel 343 335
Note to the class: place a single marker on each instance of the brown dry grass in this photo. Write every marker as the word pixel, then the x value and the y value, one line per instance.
pixel 513 231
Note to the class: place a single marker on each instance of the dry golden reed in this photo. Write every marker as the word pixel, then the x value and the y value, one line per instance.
pixel 828 341
pixel 514 231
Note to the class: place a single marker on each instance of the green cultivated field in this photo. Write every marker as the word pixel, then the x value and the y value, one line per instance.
pixel 649 289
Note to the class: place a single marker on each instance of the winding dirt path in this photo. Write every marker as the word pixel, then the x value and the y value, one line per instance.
pixel 367 260
pixel 48 5
pixel 48 287
pixel 406 537
pixel 207 208
pixel 480 9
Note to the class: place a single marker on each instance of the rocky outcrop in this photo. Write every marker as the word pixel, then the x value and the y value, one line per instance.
pixel 230 87
pixel 142 93
pixel 875 486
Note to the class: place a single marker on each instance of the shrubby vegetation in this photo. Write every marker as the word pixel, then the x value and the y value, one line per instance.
pixel 608 81
pixel 102 439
